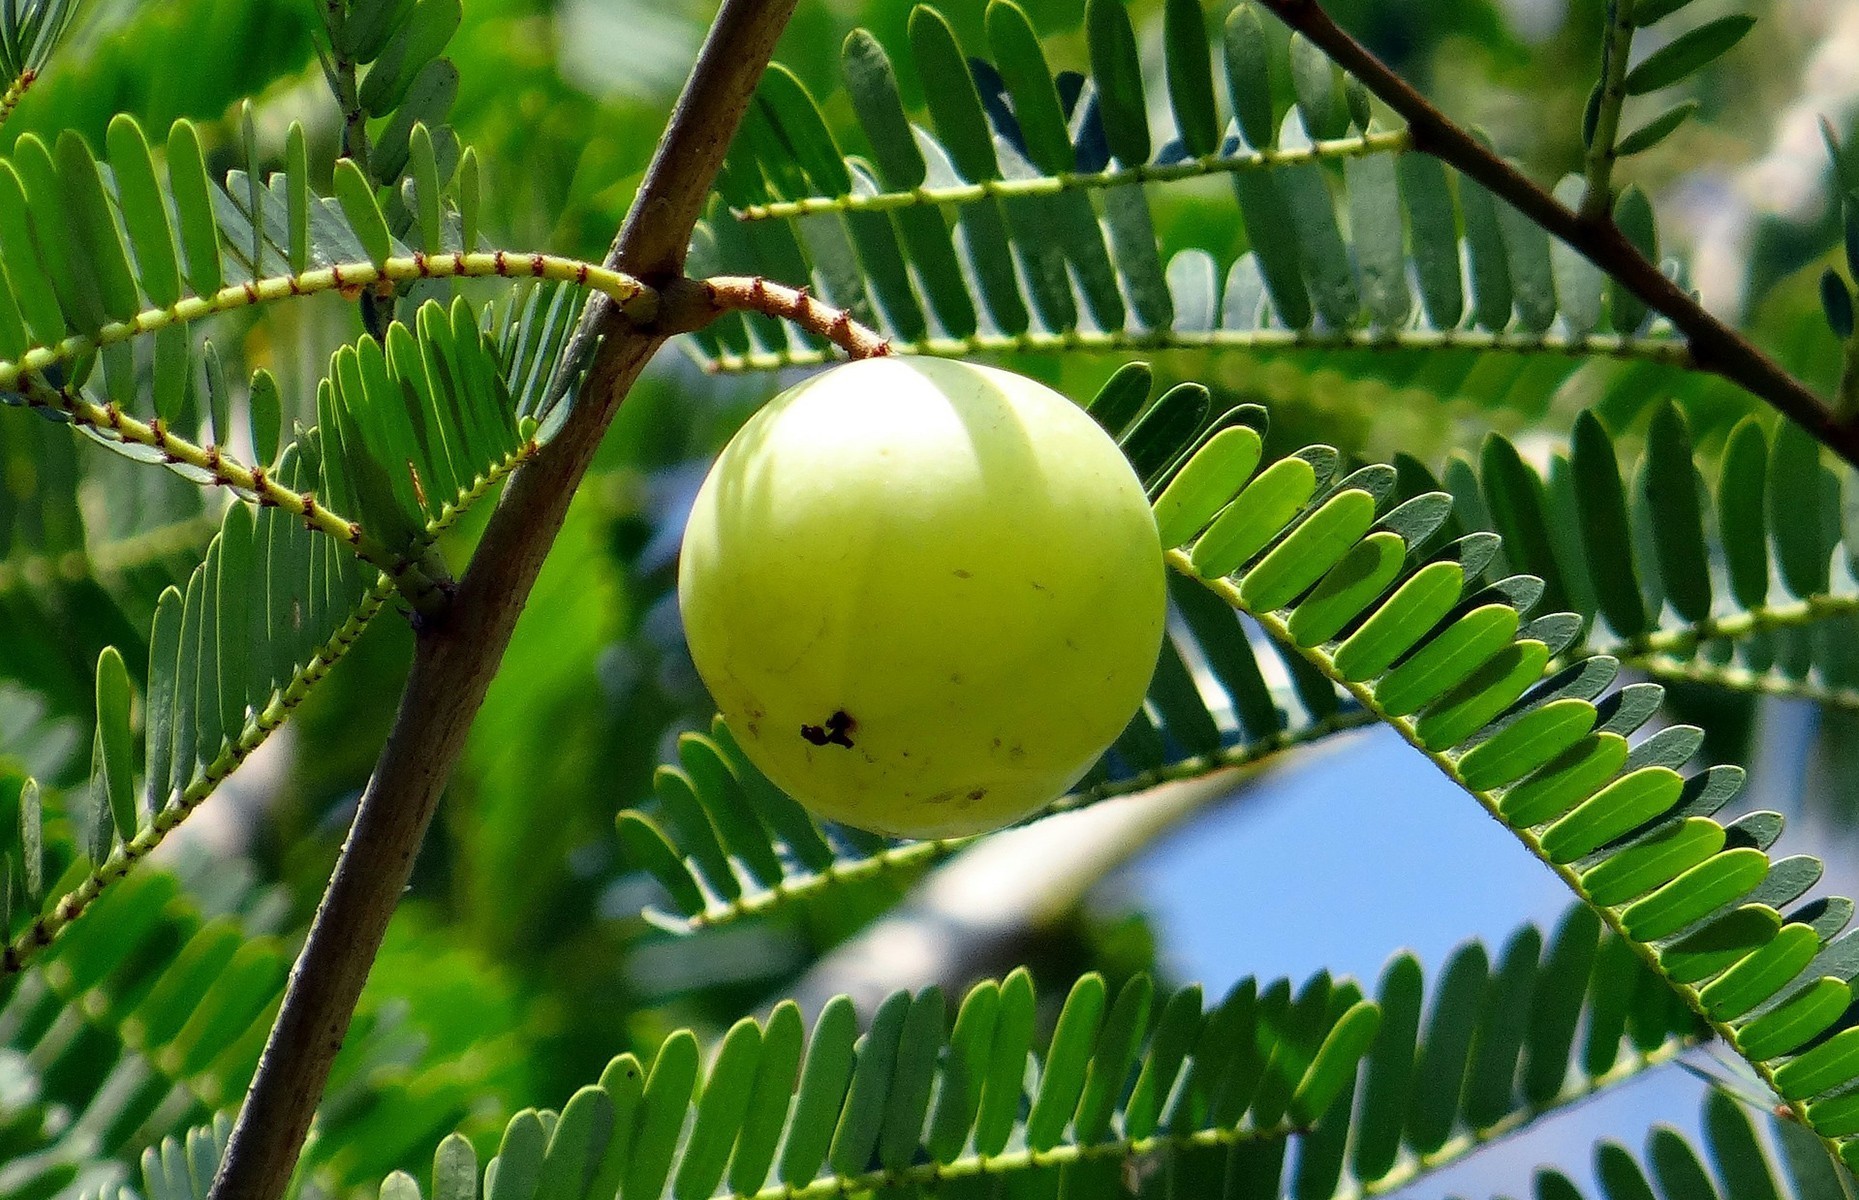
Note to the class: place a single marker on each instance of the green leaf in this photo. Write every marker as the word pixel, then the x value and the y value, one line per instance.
pixel 31 840
pixel 1526 744
pixel 1156 437
pixel 1733 994
pixel 115 742
pixel 1356 581
pixel 1190 76
pixel 1650 134
pixel 59 238
pixel 1248 76
pixel 1565 781
pixel 1653 862
pixel 1273 233
pixel 964 1073
pixel 646 847
pixel 576 1144
pixel 1002 1087
pixel 1606 534
pixel 1022 64
pixel 1447 659
pixel 1669 485
pixel 1634 216
pixel 872 87
pixel 1317 84
pixel 1310 550
pixel 1115 1053
pixel 1407 616
pixel 913 1078
pixel 1799 505
pixel 1645 12
pixel 1721 944
pixel 1333 1069
pixel 1116 70
pixel 1740 511
pixel 412 48
pixel 265 408
pixel 423 165
pixel 1169 1044
pixel 455 1169
pixel 822 1087
pixel 1519 513
pixel 193 205
pixel 1067 1060
pixel 145 211
pixel 31 284
pixel 1687 54
pixel 661 1115
pixel 1375 229
pixel 1490 267
pixel 1433 236
pixel 1327 265
pixel 1247 525
pixel 519 1158
pixel 356 195
pixel 1615 809
pixel 1695 894
pixel 1488 691
pixel 1796 1021
pixel 768 1099
pixel 428 101
pixel 1439 1071
pixel 720 1112
pixel 1206 483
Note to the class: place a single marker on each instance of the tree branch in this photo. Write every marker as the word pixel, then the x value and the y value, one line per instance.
pixel 1715 346
pixel 457 654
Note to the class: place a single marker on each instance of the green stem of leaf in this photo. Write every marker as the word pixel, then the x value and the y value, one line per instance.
pixel 1597 202
pixel 1338 149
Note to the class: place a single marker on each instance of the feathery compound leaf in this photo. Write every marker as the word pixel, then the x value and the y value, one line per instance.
pixel 1699 901
pixel 1037 168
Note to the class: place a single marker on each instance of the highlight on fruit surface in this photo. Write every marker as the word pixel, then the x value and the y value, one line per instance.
pixel 926 595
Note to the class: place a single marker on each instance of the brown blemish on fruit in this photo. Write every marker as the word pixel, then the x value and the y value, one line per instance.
pixel 834 733
pixel 961 574
pixel 978 794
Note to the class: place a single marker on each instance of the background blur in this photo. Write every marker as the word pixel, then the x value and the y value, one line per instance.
pixel 521 920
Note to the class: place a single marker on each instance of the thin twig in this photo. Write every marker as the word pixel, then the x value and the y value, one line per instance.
pixel 1597 201
pixel 456 655
pixel 15 92
pixel 1715 346
pixel 753 293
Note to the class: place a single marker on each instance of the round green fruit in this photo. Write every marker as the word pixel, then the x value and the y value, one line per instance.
pixel 926 595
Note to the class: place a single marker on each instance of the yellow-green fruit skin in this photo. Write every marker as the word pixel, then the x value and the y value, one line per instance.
pixel 955 558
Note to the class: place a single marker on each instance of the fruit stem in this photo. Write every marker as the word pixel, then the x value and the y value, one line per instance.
pixel 753 293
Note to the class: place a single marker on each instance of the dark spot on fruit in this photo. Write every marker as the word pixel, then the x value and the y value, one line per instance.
pixel 961 574
pixel 1037 586
pixel 833 733
pixel 978 793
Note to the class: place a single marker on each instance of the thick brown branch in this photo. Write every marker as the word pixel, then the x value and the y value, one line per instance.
pixel 1715 346
pixel 457 653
